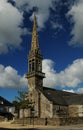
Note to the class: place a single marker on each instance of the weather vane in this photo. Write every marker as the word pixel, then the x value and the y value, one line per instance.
pixel 35 9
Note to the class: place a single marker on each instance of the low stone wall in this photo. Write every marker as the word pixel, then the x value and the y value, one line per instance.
pixel 50 121
pixel 2 118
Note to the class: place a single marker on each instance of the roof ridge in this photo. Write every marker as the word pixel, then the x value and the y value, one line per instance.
pixel 60 90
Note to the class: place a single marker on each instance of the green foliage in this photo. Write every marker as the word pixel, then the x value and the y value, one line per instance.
pixel 16 104
pixel 21 101
pixel 21 96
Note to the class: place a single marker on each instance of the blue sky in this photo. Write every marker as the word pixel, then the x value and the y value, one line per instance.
pixel 60 33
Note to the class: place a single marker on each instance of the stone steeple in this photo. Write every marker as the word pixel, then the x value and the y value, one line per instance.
pixel 35 44
pixel 35 60
pixel 35 75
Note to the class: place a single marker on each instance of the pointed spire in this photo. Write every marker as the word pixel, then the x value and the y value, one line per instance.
pixel 35 44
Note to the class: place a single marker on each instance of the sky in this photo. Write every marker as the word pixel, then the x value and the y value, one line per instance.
pixel 60 34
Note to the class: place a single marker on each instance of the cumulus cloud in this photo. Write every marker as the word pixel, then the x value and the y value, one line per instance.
pixel 10 30
pixel 43 9
pixel 56 25
pixel 69 77
pixel 69 90
pixel 10 78
pixel 80 90
pixel 76 13
pixel 50 73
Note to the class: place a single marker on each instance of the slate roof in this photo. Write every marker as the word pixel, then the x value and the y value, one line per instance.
pixel 4 102
pixel 63 98
pixel 75 99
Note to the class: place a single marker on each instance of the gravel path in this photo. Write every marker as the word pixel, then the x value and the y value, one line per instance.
pixel 10 126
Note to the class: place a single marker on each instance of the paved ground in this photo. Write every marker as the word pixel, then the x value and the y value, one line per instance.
pixel 63 128
pixel 9 126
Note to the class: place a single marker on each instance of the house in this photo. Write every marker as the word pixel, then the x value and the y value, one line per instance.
pixel 6 108
pixel 48 102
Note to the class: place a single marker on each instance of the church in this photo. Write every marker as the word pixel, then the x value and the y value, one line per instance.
pixel 48 102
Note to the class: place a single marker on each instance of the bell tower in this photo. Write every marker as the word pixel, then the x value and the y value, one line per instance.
pixel 35 75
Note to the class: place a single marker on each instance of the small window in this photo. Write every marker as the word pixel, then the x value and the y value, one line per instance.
pixel 30 66
pixel 31 94
pixel 39 64
pixel 1 102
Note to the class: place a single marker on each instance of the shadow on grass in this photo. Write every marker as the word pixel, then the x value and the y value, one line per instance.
pixel 18 129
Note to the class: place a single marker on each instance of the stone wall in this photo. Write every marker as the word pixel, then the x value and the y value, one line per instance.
pixel 76 110
pixel 50 121
pixel 73 111
pixel 80 110
pixel 47 107
pixel 26 113
pixel 60 111
pixel 2 118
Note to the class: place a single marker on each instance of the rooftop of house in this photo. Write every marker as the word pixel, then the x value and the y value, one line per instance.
pixel 62 97
pixel 4 102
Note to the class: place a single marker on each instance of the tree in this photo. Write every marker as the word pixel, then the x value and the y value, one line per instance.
pixel 21 102
pixel 16 104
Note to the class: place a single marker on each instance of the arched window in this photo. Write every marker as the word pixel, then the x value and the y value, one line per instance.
pixel 30 66
pixel 33 68
pixel 39 66
pixel 36 65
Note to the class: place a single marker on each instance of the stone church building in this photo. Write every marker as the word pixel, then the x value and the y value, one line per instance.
pixel 48 102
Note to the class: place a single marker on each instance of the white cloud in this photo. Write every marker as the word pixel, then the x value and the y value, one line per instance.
pixel 56 25
pixel 43 11
pixel 80 90
pixel 10 31
pixel 69 77
pixel 50 73
pixel 69 90
pixel 10 78
pixel 77 18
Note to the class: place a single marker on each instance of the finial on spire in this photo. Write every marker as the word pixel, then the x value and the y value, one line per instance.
pixel 35 9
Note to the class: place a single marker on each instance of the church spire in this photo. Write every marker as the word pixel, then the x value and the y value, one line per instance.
pixel 35 44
